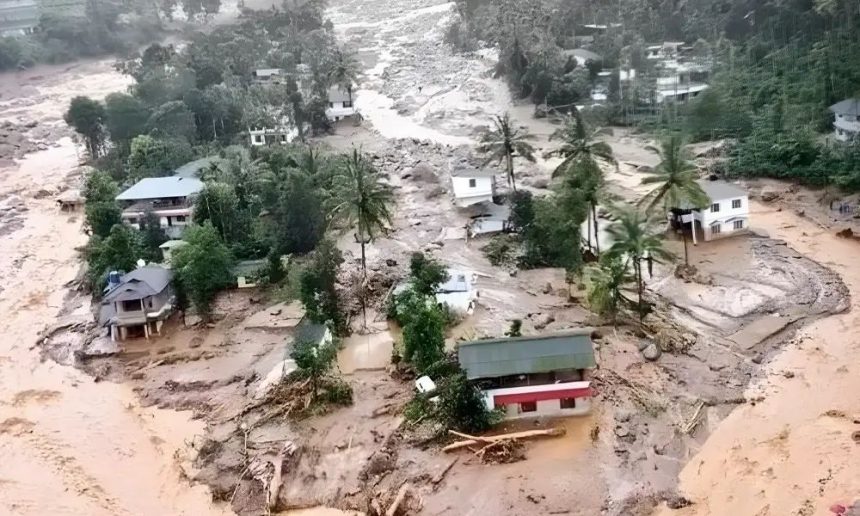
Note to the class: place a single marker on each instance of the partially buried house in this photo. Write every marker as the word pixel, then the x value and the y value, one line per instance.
pixel 139 303
pixel 540 375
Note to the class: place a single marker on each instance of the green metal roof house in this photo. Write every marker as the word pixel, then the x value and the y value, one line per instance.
pixel 493 358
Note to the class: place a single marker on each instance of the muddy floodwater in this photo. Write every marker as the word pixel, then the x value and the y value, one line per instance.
pixel 71 445
pixel 68 445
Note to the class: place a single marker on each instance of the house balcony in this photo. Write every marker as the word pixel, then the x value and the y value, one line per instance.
pixel 847 126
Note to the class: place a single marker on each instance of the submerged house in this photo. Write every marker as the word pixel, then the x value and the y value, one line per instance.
pixel 473 186
pixel 541 375
pixel 168 198
pixel 726 215
pixel 846 123
pixel 139 303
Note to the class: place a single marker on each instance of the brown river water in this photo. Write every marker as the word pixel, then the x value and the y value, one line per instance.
pixel 69 445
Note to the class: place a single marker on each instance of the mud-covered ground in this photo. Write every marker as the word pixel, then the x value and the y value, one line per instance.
pixel 423 105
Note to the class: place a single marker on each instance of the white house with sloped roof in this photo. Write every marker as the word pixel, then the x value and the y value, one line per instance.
pixel 473 186
pixel 340 104
pixel 727 213
pixel 846 123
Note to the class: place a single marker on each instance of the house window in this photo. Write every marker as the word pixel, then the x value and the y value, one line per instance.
pixel 180 218
pixel 528 406
pixel 331 104
pixel 568 403
pixel 739 224
pixel 715 229
pixel 736 204
pixel 132 220
pixel 715 207
pixel 347 103
pixel 134 305
pixel 473 183
pixel 258 138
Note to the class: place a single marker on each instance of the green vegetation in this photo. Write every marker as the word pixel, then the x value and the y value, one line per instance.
pixel 460 404
pixel 87 117
pixel 503 142
pixel 635 240
pixel 318 286
pixel 605 285
pixel 203 266
pixel 676 180
pixel 314 362
pixel 426 274
pixel 362 200
pixel 773 71
pixel 424 334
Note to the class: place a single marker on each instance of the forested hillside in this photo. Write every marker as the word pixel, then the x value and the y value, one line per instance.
pixel 774 68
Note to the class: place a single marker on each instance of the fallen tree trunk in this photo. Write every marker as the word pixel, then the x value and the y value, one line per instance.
pixel 401 495
pixel 471 440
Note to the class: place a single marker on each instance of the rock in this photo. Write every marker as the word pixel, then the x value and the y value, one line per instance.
pixel 788 374
pixel 391 262
pixel 543 320
pixel 800 212
pixel 622 431
pixel 192 320
pixel 540 182
pixel 596 335
pixel 769 196
pixel 845 233
pixel 623 416
pixel 644 169
pixel 651 352
pixel 547 288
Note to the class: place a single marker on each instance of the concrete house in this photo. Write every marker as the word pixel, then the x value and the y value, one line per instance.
pixel 340 106
pixel 846 123
pixel 281 135
pixel 18 17
pixel 473 186
pixel 541 375
pixel 140 303
pixel 458 292
pixel 727 215
pixel 168 198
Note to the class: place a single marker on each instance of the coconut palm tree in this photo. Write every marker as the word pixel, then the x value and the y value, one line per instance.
pixel 361 200
pixel 578 143
pixel 586 177
pixel 606 283
pixel 345 70
pixel 635 239
pixel 504 142
pixel 677 183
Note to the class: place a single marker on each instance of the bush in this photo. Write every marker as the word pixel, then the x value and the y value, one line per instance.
pixel 502 250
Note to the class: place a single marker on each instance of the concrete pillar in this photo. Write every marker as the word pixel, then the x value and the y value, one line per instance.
pixel 146 330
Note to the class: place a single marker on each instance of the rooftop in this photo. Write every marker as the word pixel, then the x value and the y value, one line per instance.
pixel 494 358
pixel 473 172
pixel 585 55
pixel 161 188
pixel 140 283
pixel 308 331
pixel 719 190
pixel 457 282
pixel 849 107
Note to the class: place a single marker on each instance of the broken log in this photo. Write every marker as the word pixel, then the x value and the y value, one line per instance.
pixel 441 475
pixel 490 439
pixel 401 495
pixel 690 425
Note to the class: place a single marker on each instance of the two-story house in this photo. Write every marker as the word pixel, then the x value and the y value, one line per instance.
pixel 140 303
pixel 473 186
pixel 846 124
pixel 168 198
pixel 727 213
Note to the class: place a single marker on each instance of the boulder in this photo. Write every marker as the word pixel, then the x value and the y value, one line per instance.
pixel 651 352
pixel 769 196
pixel 541 321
